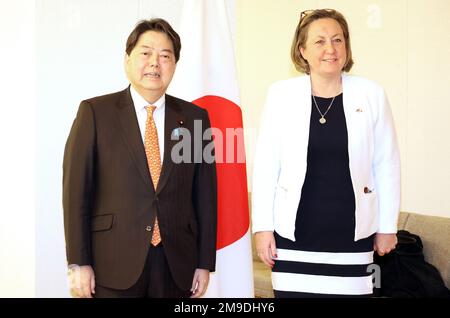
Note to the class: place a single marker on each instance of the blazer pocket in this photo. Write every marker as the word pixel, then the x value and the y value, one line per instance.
pixel 281 193
pixel 102 222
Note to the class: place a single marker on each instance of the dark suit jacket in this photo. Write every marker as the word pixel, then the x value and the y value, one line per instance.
pixel 109 201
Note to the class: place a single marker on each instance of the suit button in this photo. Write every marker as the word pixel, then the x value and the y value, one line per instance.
pixel 148 228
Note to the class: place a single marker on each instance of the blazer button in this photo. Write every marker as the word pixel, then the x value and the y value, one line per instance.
pixel 367 190
pixel 148 228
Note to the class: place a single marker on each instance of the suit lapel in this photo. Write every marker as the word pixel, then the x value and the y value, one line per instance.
pixel 173 116
pixel 128 123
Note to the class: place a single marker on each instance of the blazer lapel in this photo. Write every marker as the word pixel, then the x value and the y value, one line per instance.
pixel 128 123
pixel 173 116
pixel 296 125
pixel 357 114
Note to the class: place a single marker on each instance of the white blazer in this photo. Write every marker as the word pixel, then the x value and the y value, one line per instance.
pixel 281 154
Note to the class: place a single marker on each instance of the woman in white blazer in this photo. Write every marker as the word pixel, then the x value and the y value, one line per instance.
pixel 326 181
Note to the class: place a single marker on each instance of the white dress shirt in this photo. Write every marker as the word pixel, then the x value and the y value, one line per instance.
pixel 158 115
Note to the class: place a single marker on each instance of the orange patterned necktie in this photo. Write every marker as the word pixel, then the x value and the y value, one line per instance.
pixel 153 160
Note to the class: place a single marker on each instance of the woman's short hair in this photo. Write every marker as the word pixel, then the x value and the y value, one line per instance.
pixel 301 35
pixel 157 25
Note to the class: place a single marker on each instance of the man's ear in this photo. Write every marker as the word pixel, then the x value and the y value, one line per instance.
pixel 126 59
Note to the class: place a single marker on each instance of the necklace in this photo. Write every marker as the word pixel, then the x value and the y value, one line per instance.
pixel 322 119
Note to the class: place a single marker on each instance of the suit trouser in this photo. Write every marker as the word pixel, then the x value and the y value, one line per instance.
pixel 155 281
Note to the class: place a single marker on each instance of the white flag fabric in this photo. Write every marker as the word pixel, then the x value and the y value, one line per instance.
pixel 206 76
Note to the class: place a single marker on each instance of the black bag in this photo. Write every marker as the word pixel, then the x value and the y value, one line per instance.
pixel 404 272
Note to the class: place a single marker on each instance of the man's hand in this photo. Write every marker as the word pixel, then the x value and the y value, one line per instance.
pixel 82 281
pixel 384 243
pixel 265 247
pixel 200 282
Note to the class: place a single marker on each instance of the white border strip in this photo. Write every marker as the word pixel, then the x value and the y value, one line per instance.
pixel 325 257
pixel 322 284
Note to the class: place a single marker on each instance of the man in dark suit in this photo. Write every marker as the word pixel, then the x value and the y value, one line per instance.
pixel 131 231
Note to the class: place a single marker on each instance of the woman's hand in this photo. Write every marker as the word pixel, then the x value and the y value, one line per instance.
pixel 265 247
pixel 384 243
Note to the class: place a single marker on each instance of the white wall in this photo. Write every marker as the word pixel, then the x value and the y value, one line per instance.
pixel 17 86
pixel 404 45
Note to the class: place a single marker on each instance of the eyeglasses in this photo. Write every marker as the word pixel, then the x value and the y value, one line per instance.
pixel 307 12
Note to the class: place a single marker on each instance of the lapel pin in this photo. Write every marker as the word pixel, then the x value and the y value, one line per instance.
pixel 359 110
pixel 176 131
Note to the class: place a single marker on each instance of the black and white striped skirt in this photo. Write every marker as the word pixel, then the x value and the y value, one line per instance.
pixel 300 273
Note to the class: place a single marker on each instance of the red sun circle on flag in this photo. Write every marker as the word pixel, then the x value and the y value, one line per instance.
pixel 232 194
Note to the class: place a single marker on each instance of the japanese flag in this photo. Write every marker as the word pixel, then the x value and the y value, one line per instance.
pixel 206 76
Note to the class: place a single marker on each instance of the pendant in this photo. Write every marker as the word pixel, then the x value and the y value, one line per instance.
pixel 322 120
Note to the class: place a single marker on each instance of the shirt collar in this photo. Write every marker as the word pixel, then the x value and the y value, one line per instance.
pixel 140 102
